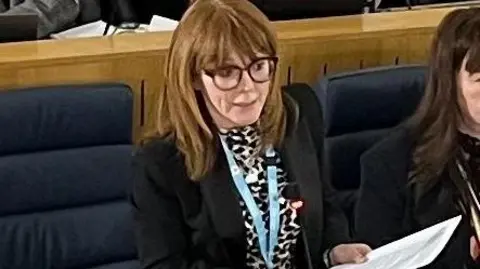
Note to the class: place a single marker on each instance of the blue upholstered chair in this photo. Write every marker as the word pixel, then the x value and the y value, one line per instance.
pixel 360 108
pixel 65 156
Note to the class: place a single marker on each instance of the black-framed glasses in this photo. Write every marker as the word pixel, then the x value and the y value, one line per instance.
pixel 228 77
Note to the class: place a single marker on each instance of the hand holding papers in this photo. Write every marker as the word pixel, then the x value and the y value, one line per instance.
pixel 411 252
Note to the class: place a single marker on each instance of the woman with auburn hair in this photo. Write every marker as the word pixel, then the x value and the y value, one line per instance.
pixel 414 178
pixel 219 185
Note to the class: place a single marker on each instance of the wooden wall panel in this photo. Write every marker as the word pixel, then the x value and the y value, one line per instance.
pixel 418 54
pixel 137 72
pixel 309 49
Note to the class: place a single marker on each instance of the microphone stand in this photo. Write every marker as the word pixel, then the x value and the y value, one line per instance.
pixel 470 198
pixel 291 192
pixel 107 27
pixel 474 205
pixel 409 4
pixel 120 17
pixel 110 17
pixel 370 6
pixel 305 242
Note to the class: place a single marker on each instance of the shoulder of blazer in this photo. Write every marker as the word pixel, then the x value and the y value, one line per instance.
pixel 394 152
pixel 160 160
pixel 398 142
pixel 157 148
pixel 306 107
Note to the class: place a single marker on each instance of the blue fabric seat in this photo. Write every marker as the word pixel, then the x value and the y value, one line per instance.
pixel 65 156
pixel 360 109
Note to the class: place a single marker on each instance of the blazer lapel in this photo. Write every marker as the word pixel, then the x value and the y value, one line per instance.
pixel 443 196
pixel 219 194
pixel 299 157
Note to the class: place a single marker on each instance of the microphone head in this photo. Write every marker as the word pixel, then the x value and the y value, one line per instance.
pixel 291 192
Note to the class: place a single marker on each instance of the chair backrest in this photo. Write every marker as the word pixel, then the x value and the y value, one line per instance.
pixel 360 108
pixel 64 170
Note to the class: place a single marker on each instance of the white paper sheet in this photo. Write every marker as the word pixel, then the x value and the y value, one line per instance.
pixel 94 29
pixel 87 30
pixel 159 23
pixel 411 252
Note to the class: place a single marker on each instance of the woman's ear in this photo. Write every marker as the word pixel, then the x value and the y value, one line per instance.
pixel 198 83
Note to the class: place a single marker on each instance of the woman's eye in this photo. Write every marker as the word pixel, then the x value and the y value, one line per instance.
pixel 259 66
pixel 227 72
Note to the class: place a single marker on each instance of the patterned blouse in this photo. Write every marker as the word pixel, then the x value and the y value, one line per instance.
pixel 468 170
pixel 245 145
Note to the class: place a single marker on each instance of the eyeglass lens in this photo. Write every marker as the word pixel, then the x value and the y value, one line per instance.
pixel 260 70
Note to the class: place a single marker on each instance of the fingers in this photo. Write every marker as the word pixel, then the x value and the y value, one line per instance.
pixel 350 253
pixel 359 258
pixel 359 252
pixel 474 248
pixel 363 249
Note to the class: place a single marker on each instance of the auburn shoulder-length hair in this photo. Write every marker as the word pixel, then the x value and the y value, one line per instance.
pixel 207 35
pixel 437 120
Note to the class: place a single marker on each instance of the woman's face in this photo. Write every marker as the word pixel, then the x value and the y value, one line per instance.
pixel 235 93
pixel 469 85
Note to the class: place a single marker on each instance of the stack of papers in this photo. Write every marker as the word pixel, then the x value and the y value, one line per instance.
pixel 411 252
pixel 95 29
pixel 159 23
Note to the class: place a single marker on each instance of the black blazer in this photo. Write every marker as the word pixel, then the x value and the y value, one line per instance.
pixel 389 208
pixel 180 224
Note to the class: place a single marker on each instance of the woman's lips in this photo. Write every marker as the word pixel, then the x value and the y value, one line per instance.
pixel 245 104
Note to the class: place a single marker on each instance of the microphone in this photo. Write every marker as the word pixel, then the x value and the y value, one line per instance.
pixel 409 4
pixel 119 13
pixel 291 192
pixel 472 201
pixel 107 27
pixel 469 195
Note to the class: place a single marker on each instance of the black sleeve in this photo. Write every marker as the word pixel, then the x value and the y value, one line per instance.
pixel 381 205
pixel 335 222
pixel 160 229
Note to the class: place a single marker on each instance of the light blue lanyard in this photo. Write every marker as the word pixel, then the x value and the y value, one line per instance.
pixel 274 205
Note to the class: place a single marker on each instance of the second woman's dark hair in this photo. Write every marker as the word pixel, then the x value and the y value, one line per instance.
pixel 436 121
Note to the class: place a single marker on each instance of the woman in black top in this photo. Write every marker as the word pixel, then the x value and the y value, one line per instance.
pixel 414 179
pixel 235 176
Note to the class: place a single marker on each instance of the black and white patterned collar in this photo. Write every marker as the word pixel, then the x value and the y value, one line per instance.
pixel 470 145
pixel 244 142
